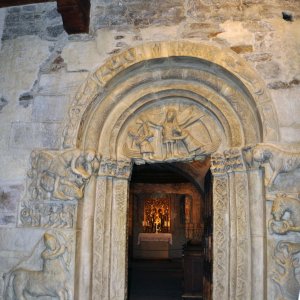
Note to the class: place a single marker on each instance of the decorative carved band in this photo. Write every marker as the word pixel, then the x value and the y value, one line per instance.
pixel 231 160
pixel 221 237
pixel 115 168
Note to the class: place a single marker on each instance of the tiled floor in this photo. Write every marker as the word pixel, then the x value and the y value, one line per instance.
pixel 155 280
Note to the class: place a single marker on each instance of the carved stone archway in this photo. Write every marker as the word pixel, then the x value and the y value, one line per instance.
pixel 161 102
pixel 142 82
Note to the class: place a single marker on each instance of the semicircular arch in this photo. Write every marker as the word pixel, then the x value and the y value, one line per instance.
pixel 218 81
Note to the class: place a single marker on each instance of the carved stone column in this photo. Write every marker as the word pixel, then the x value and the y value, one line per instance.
pixel 238 228
pixel 110 237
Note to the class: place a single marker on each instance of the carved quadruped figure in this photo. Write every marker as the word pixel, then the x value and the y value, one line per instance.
pixel 61 175
pixel 50 281
pixel 285 204
pixel 281 161
pixel 286 277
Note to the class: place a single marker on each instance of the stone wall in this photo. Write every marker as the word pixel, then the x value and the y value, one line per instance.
pixel 41 69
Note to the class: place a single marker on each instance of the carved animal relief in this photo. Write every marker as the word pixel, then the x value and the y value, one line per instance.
pixel 286 214
pixel 281 161
pixel 51 280
pixel 56 180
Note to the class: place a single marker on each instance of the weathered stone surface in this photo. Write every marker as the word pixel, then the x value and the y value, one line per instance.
pixel 35 135
pixel 3 102
pixel 81 56
pixel 288 106
pixel 40 72
pixel 49 108
pixel 60 83
pixel 10 195
pixel 138 13
pixel 19 65
pixel 235 34
pixel 42 20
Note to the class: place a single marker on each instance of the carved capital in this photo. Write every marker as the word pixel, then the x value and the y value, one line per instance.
pixel 115 168
pixel 230 160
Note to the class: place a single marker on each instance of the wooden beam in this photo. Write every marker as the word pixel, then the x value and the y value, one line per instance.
pixel 75 14
pixel 8 3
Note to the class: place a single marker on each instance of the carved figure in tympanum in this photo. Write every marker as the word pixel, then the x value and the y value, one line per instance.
pixel 168 132
pixel 281 161
pixel 285 278
pixel 50 281
pixel 142 137
pixel 286 214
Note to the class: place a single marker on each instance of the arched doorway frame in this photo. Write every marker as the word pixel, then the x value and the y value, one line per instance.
pixel 238 187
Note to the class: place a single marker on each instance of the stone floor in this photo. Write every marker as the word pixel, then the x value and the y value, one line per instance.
pixel 155 280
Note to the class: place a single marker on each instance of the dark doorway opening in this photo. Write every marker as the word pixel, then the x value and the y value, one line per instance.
pixel 170 231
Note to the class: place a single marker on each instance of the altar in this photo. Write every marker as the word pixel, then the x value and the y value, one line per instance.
pixel 154 245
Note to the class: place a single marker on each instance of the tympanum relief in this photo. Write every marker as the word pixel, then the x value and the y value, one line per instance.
pixel 51 280
pixel 56 180
pixel 170 132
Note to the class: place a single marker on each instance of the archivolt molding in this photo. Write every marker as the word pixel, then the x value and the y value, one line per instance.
pixel 244 84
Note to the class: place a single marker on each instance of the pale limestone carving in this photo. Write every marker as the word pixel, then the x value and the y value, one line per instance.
pixel 281 223
pixel 115 168
pixel 243 236
pixel 168 133
pixel 281 161
pixel 117 63
pixel 52 215
pixel 60 175
pixel 51 280
pixel 220 272
pixel 229 161
pixel 286 277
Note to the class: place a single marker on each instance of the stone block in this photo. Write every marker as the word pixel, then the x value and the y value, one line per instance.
pixel 286 101
pixel 31 20
pixel 52 14
pixel 35 135
pixel 138 13
pixel 61 83
pixel 55 31
pixel 50 108
pixel 290 134
pixel 235 34
pixel 20 60
pixel 81 56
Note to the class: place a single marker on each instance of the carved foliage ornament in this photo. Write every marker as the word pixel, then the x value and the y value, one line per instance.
pixel 285 277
